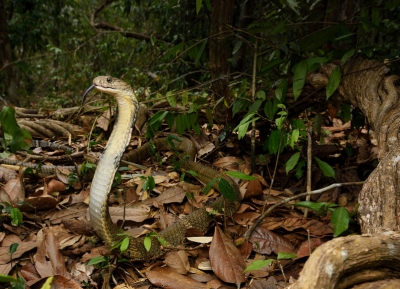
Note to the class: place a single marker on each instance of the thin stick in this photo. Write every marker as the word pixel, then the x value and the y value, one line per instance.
pixel 309 165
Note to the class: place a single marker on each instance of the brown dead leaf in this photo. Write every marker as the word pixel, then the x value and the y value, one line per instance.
pixel 226 260
pixel 206 149
pixel 29 272
pixel 229 163
pixel 316 227
pixel 169 279
pixel 4 197
pixel 74 211
pixel 135 212
pixel 246 218
pixel 178 260
pixel 7 174
pixel 174 194
pixel 304 249
pixel 265 242
pixel 79 226
pixel 253 189
pixel 104 120
pixel 269 283
pixel 38 203
pixel 15 189
pixel 54 186
pixel 59 282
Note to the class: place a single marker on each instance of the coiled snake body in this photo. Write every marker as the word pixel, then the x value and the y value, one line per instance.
pixel 108 164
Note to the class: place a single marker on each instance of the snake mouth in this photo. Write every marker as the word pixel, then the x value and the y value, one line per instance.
pixel 86 93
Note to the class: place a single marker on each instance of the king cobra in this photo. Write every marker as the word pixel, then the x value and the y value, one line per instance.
pixel 127 104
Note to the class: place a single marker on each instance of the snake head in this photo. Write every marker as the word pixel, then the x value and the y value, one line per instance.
pixel 109 85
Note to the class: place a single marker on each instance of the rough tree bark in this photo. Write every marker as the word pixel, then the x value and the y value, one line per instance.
pixel 367 85
pixel 221 17
pixel 6 57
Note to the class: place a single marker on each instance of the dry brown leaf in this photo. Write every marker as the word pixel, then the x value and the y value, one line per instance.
pixel 7 174
pixel 79 226
pixel 206 149
pixel 4 197
pixel 74 211
pixel 265 242
pixel 264 283
pixel 104 120
pixel 172 195
pixel 304 248
pixel 23 247
pixel 29 272
pixel 38 203
pixel 229 163
pixel 246 218
pixel 178 260
pixel 54 186
pixel 315 227
pixel 167 278
pixel 59 282
pixel 135 212
pixel 15 189
pixel 226 260
pixel 253 189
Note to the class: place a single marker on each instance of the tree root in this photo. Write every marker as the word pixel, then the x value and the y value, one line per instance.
pixel 354 260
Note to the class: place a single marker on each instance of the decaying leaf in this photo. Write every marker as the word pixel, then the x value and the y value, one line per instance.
pixel 266 242
pixel 169 279
pixel 178 260
pixel 226 260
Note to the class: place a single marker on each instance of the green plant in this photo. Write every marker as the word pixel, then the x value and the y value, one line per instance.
pixel 15 213
pixel 340 217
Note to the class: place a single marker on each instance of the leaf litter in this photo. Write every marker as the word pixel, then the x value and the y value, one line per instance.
pixel 57 240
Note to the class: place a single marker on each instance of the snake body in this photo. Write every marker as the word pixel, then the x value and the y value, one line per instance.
pixel 109 162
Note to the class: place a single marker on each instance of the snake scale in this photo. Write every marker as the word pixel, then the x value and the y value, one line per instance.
pixel 109 162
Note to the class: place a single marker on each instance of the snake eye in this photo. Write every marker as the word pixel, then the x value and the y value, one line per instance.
pixel 109 79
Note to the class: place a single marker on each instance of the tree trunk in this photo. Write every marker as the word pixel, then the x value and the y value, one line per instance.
pixel 6 58
pixel 221 17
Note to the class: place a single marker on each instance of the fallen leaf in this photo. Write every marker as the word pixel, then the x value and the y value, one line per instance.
pixel 167 278
pixel 15 190
pixel 304 248
pixel 246 218
pixel 315 227
pixel 135 212
pixel 253 189
pixel 265 242
pixel 226 260
pixel 178 260
pixel 174 194
pixel 104 120
pixel 7 174
pixel 54 186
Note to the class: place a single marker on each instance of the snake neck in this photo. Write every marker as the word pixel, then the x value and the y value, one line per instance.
pixel 108 165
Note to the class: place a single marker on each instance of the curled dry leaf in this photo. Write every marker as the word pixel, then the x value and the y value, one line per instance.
pixel 169 279
pixel 315 227
pixel 54 186
pixel 265 242
pixel 226 260
pixel 15 190
pixel 253 189
pixel 172 195
pixel 178 260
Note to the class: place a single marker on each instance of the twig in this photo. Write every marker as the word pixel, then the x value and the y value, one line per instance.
pixel 253 123
pixel 256 223
pixel 309 164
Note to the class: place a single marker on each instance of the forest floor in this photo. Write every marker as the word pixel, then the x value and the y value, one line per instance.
pixel 55 237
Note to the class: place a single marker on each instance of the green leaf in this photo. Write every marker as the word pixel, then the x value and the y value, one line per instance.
pixel 241 176
pixel 226 189
pixel 239 104
pixel 199 3
pixel 295 137
pixel 273 141
pixel 290 164
pixel 255 106
pixel 7 279
pixel 185 98
pixel 200 53
pixel 124 245
pixel 345 112
pixel 16 217
pixel 299 169
pixel 300 72
pixel 317 207
pixel 261 95
pixel 209 185
pixel 270 108
pixel 286 256
pixel 149 184
pixel 13 248
pixel 333 82
pixel 340 219
pixel 258 264
pixel 244 124
pixel 347 55
pixel 327 170
pixel 171 97
pixel 96 260
pixel 181 123
pixel 147 243
pixel 319 38
pixel 237 47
